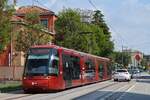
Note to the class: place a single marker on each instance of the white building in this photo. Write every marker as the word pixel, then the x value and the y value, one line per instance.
pixel 136 57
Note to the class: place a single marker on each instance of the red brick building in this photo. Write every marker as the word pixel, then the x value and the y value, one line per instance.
pixel 47 18
pixel 4 57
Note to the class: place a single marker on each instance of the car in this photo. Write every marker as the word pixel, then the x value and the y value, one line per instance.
pixel 122 74
pixel 131 72
pixel 136 71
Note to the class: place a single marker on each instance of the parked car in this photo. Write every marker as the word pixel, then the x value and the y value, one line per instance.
pixel 122 74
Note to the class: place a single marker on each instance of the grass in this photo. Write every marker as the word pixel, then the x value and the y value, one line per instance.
pixel 9 86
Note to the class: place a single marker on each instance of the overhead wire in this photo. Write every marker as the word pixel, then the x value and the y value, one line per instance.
pixel 41 4
pixel 92 4
pixel 121 39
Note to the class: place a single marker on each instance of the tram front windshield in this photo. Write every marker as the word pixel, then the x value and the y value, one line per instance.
pixel 41 61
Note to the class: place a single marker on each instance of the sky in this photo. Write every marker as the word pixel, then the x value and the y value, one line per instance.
pixel 128 20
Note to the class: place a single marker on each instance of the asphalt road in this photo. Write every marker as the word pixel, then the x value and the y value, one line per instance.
pixel 137 89
pixel 140 91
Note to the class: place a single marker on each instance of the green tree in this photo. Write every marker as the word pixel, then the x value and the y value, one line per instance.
pixel 121 58
pixel 31 34
pixel 6 12
pixel 99 20
pixel 70 31
pixel 67 30
pixel 107 45
pixel 144 64
pixel 74 34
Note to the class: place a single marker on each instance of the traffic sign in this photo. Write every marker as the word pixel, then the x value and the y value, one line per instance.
pixel 137 57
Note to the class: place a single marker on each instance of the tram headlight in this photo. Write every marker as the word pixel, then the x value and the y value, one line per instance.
pixel 47 77
pixel 24 78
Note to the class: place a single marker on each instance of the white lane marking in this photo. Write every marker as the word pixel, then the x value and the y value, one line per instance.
pixel 126 92
pixel 110 94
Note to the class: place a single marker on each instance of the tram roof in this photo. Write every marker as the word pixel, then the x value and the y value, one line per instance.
pixel 59 47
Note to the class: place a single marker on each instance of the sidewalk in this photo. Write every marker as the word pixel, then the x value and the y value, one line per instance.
pixel 9 85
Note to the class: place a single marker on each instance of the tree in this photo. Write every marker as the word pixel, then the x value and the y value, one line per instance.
pixel 5 23
pixel 31 34
pixel 121 58
pixel 107 45
pixel 99 20
pixel 69 29
pixel 72 33
pixel 144 64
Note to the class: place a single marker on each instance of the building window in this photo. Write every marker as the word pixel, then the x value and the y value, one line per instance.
pixel 44 22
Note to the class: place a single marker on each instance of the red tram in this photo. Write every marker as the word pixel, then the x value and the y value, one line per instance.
pixel 50 67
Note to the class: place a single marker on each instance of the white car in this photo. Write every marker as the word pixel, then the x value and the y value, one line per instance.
pixel 122 74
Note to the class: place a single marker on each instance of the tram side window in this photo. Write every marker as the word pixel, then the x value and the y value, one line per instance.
pixel 108 69
pixel 71 67
pixel 66 67
pixel 90 67
pixel 101 70
pixel 76 67
pixel 54 62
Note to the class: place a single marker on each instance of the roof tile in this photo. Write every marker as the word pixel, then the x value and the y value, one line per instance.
pixel 16 18
pixel 26 9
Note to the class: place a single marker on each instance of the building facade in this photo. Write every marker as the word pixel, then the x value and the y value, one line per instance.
pixel 136 57
pixel 47 18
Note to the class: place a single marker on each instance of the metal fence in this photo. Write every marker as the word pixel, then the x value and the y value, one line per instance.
pixel 11 73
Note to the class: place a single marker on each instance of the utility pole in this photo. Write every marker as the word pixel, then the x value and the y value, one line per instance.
pixel 11 44
pixel 14 2
pixel 122 55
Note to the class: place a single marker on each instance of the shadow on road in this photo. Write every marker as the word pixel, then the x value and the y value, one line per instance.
pixel 143 77
pixel 98 95
pixel 143 80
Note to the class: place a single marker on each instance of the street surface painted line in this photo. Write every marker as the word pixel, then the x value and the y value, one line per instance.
pixel 111 96
pixel 126 92
pixel 96 95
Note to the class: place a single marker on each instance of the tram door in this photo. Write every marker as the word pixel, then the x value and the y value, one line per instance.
pixel 101 71
pixel 67 70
